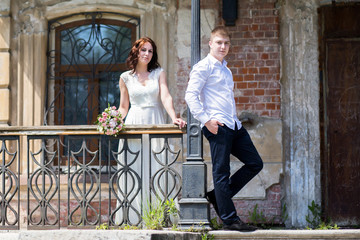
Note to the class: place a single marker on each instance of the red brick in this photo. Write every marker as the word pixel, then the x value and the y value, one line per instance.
pixel 242 99
pixel 271 77
pixel 270 34
pixel 254 27
pixel 264 84
pixel 252 70
pixel 249 77
pixel 275 99
pixel 249 106
pixel 251 56
pixel 240 107
pixel 270 20
pixel 270 91
pixel 239 64
pixel 243 70
pixel 241 85
pixel 258 92
pixel 254 99
pixel 264 56
pixel 264 70
pixel 241 56
pixel 237 78
pixel 265 113
pixel 243 28
pixel 252 84
pixel 259 34
pixel 270 63
pixel 260 106
pixel 270 106
pixel 249 63
pixel 247 92
pixel 274 69
pixel 274 55
pixel 259 20
pixel 248 34
pixel 260 77
pixel 259 63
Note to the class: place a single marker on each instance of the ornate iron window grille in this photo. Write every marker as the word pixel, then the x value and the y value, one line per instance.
pixel 86 55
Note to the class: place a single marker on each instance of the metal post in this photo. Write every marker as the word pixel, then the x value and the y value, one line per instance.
pixel 194 208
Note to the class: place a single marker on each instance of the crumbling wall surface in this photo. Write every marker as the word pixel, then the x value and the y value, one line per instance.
pixel 300 107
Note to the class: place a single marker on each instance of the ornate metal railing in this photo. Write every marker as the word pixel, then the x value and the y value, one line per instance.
pixel 67 176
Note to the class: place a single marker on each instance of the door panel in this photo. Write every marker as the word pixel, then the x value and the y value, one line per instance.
pixel 343 131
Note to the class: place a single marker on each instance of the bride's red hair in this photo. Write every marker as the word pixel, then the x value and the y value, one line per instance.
pixel 132 60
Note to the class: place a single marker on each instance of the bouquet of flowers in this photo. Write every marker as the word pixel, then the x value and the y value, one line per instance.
pixel 110 121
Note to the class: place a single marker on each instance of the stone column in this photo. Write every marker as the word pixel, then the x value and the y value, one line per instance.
pixel 31 72
pixel 300 107
pixel 5 62
pixel 30 44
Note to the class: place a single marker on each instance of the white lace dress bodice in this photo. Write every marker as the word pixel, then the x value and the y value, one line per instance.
pixel 145 104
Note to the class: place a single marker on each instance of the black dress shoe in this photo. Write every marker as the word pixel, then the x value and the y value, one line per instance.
pixel 210 196
pixel 240 226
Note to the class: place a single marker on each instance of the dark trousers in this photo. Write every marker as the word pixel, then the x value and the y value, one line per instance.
pixel 238 143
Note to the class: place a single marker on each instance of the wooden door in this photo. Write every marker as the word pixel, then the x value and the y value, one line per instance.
pixel 340 61
pixel 343 131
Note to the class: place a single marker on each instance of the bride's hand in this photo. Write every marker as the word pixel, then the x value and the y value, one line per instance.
pixel 178 121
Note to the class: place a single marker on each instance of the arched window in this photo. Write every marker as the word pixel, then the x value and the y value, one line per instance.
pixel 87 54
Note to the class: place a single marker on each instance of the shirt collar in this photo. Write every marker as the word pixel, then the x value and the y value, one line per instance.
pixel 214 61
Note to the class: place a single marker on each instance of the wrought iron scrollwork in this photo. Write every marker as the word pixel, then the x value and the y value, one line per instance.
pixel 9 215
pixel 43 184
pixel 125 185
pixel 84 186
pixel 166 181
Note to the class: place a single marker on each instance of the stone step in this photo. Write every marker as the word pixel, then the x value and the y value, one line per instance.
pixel 70 234
pixel 288 234
pixel 84 234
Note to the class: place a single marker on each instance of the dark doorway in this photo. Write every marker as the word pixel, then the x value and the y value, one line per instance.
pixel 340 124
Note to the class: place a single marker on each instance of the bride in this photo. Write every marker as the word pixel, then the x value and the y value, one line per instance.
pixel 144 89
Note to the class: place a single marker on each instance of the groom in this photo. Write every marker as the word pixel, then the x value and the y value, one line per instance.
pixel 210 98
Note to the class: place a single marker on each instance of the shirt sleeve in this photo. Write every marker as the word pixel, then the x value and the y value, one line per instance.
pixel 198 78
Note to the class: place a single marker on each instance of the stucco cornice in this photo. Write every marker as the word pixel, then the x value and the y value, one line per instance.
pixel 63 9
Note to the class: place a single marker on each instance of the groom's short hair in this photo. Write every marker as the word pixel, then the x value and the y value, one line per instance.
pixel 219 30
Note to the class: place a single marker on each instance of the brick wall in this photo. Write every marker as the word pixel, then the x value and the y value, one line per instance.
pixel 254 58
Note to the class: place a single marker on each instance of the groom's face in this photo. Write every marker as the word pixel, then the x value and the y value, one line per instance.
pixel 219 46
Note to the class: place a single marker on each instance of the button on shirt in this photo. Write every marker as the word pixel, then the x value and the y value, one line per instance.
pixel 210 94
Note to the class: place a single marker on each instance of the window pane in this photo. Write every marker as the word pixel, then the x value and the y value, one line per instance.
pixel 109 90
pixel 95 44
pixel 76 101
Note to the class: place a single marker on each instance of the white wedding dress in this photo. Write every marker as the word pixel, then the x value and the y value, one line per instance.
pixel 145 108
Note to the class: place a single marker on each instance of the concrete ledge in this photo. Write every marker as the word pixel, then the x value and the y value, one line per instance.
pixel 84 234
pixel 288 234
pixel 70 234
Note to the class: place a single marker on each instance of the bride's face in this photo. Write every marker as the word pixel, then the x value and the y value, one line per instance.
pixel 145 53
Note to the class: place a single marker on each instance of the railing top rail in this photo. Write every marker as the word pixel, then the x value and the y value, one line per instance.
pixel 87 130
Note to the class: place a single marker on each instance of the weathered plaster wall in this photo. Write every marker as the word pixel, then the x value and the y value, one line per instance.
pixel 300 107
